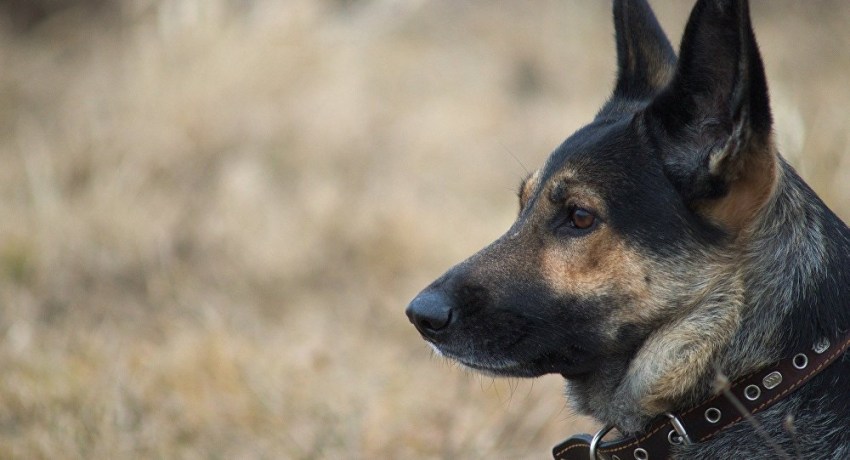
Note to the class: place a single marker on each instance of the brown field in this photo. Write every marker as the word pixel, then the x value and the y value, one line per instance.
pixel 213 212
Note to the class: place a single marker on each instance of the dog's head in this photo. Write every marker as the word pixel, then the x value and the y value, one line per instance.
pixel 620 234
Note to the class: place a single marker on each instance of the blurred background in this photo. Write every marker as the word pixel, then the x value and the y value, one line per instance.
pixel 213 212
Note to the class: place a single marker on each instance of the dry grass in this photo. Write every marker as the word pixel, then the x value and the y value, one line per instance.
pixel 212 213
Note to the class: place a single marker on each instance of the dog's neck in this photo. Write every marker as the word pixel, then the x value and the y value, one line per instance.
pixel 799 280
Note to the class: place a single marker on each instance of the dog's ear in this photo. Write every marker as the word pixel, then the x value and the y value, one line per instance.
pixel 712 124
pixel 645 59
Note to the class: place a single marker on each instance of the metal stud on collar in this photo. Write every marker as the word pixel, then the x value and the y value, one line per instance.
pixel 772 380
pixel 821 346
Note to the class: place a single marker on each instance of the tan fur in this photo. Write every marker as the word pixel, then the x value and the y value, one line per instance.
pixel 753 183
pixel 595 264
pixel 660 73
pixel 527 187
pixel 678 355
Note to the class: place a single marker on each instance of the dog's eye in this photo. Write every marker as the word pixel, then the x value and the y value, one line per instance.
pixel 575 221
pixel 581 219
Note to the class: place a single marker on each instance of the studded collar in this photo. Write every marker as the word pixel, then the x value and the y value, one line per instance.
pixel 737 401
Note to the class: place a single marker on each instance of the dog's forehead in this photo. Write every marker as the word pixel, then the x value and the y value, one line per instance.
pixel 594 154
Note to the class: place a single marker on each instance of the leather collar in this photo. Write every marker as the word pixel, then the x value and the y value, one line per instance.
pixel 751 394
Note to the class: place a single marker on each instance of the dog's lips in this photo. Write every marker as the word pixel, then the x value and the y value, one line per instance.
pixel 490 365
pixel 573 371
pixel 506 369
pixel 550 363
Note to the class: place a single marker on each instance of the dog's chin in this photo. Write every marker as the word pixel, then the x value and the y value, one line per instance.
pixel 503 371
pixel 511 368
pixel 491 367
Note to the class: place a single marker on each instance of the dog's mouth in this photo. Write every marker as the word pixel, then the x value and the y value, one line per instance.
pixel 490 366
pixel 574 364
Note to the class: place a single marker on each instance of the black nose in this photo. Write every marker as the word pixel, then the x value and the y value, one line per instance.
pixel 430 312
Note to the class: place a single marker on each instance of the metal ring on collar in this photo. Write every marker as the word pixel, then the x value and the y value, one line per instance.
pixel 594 443
pixel 680 429
pixel 800 361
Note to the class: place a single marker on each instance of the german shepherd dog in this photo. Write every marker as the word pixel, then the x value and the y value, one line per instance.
pixel 663 244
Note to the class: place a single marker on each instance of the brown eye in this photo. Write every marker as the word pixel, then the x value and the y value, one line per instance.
pixel 581 219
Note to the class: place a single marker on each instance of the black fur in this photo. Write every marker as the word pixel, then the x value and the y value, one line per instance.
pixel 643 51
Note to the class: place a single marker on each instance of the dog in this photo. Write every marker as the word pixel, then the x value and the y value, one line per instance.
pixel 662 245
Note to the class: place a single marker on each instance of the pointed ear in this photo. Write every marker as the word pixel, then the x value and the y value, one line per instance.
pixel 645 59
pixel 712 123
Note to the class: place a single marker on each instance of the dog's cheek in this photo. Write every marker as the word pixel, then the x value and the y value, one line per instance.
pixel 600 265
